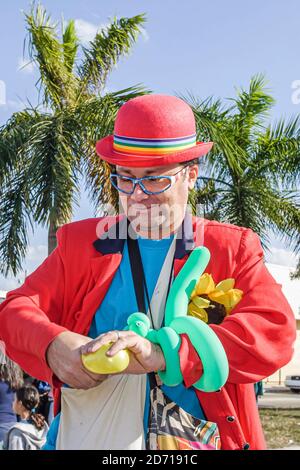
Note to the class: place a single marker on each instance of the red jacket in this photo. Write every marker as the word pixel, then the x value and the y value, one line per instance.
pixel 68 287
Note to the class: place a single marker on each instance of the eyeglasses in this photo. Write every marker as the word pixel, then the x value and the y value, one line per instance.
pixel 149 184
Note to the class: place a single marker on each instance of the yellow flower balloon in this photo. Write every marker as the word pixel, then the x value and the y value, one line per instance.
pixel 223 293
pixel 226 285
pixel 200 302
pixel 229 299
pixel 197 312
pixel 205 285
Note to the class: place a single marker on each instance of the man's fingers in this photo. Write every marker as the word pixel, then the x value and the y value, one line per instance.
pixel 96 344
pixel 125 342
pixel 96 378
pixel 110 337
pixel 79 377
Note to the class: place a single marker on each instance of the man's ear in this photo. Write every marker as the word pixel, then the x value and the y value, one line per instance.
pixel 193 172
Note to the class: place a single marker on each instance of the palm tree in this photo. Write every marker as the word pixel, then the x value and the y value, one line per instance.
pixel 46 150
pixel 251 177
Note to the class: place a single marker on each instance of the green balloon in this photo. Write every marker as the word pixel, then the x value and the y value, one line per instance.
pixel 139 323
pixel 209 349
pixel 170 342
pixel 203 338
pixel 184 283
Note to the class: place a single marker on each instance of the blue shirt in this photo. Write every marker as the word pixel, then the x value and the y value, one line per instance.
pixel 120 302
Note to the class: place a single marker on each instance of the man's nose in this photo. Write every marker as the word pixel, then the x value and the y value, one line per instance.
pixel 138 194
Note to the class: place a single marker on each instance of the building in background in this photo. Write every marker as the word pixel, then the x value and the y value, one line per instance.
pixel 291 290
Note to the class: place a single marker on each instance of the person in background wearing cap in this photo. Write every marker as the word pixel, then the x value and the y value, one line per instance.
pixel 82 294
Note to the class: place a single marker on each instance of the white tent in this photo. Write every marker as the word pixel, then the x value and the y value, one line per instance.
pixel 291 290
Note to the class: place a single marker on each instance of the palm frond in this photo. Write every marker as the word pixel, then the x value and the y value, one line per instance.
pixel 277 151
pixel 254 104
pixel 13 137
pixel 105 50
pixel 46 50
pixel 252 108
pixel 15 219
pixel 206 199
pixel 53 170
pixel 282 209
pixel 212 126
pixel 70 46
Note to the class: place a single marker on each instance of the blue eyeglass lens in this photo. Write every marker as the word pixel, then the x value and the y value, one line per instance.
pixel 153 185
pixel 122 183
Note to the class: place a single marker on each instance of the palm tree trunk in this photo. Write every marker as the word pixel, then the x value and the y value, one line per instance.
pixel 52 242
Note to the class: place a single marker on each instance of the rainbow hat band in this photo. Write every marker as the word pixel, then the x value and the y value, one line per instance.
pixel 152 131
pixel 128 145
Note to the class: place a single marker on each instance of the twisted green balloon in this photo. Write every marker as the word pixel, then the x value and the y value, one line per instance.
pixel 203 338
pixel 184 284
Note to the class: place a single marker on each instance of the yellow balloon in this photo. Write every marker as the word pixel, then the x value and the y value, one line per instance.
pixel 98 363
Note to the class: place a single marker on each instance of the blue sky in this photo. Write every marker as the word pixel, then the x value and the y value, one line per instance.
pixel 207 48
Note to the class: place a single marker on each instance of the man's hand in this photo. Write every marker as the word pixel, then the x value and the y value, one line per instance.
pixel 146 356
pixel 64 358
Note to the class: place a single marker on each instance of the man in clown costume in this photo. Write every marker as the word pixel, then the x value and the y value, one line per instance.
pixel 81 296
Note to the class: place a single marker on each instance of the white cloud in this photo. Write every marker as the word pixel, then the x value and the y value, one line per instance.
pixel 87 31
pixel 7 284
pixel 25 65
pixel 144 33
pixel 282 256
pixel 12 105
pixel 15 104
pixel 36 253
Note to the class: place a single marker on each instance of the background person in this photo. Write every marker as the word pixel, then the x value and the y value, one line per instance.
pixel 31 431
pixel 11 378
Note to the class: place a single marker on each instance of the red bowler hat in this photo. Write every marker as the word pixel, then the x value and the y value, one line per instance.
pixel 152 130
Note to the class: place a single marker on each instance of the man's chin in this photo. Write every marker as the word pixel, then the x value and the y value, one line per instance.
pixel 156 221
pixel 153 228
pixel 147 224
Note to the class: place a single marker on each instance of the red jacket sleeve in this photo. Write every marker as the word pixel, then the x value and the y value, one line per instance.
pixel 30 316
pixel 259 333
pixel 190 363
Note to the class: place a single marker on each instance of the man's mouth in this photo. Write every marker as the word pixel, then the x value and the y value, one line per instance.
pixel 139 208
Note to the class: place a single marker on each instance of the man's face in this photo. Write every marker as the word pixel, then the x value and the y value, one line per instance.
pixel 158 215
